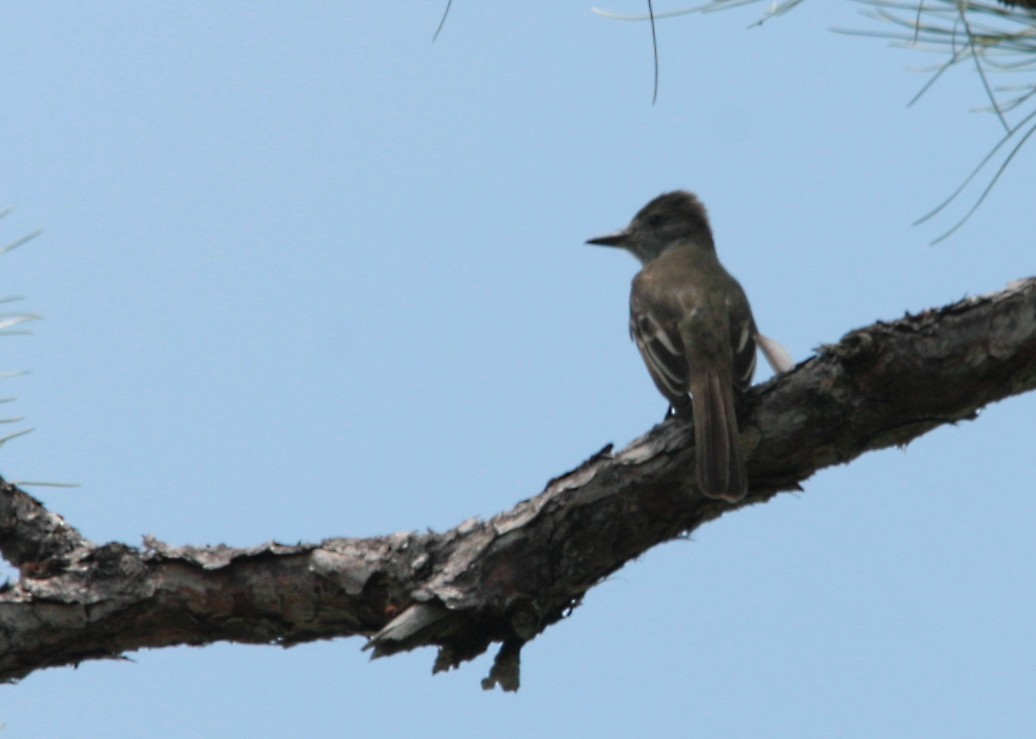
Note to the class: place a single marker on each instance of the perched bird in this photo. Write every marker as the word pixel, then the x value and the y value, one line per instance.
pixel 694 328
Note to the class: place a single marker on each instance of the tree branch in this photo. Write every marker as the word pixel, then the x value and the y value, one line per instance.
pixel 507 579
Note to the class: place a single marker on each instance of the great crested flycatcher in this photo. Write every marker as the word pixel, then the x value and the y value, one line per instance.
pixel 692 324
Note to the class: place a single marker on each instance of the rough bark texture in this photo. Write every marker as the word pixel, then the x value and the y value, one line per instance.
pixel 507 579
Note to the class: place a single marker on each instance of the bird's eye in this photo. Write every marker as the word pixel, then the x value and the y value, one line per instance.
pixel 654 220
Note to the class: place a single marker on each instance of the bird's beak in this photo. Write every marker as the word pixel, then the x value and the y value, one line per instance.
pixel 619 238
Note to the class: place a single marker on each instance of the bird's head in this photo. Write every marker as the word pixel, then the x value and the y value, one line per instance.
pixel 673 218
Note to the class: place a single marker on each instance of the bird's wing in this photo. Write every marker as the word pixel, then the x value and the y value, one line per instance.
pixel 742 347
pixel 662 349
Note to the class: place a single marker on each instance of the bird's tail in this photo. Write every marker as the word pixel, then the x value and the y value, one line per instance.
pixel 721 466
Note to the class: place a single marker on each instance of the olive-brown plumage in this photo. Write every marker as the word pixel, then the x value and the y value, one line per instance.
pixel 694 328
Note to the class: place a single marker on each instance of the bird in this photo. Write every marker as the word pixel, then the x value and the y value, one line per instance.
pixel 692 323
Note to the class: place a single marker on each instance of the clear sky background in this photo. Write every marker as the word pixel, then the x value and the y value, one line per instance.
pixel 306 273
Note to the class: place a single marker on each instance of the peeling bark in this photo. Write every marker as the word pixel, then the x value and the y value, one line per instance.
pixel 507 579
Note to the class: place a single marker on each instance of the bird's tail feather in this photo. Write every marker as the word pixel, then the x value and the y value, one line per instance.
pixel 776 355
pixel 721 467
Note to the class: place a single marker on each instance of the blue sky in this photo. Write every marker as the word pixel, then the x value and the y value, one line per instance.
pixel 307 274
